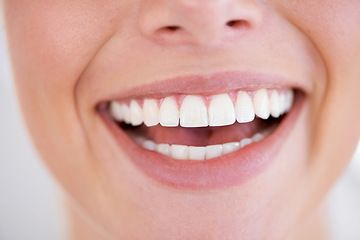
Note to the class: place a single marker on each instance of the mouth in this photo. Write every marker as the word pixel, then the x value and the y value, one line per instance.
pixel 204 139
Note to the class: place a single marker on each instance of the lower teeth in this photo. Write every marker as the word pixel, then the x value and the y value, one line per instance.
pixel 183 152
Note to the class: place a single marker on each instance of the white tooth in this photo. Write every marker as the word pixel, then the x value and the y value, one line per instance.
pixel 197 153
pixel 149 145
pixel 213 151
pixel 179 152
pixel 169 113
pixel 230 147
pixel 116 111
pixel 193 112
pixel 275 104
pixel 126 111
pixel 282 103
pixel 135 113
pixel 150 112
pixel 221 111
pixel 245 142
pixel 257 137
pixel 289 95
pixel 262 104
pixel 163 149
pixel 244 108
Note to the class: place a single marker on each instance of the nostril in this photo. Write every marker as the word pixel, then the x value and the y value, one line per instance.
pixel 172 28
pixel 168 33
pixel 167 30
pixel 236 23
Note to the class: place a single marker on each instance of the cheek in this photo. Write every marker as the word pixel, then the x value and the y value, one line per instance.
pixel 51 43
pixel 47 61
pixel 47 41
pixel 333 28
pixel 337 127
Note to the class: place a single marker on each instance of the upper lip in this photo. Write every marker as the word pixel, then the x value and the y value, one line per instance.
pixel 209 84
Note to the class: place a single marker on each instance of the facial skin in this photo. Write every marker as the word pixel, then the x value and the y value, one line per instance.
pixel 68 56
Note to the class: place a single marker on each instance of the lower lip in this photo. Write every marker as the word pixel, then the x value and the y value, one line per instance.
pixel 229 170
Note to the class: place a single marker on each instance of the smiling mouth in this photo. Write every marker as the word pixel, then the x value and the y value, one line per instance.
pixel 204 140
pixel 195 127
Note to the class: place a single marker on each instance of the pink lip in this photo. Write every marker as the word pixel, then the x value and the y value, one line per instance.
pixel 210 84
pixel 229 170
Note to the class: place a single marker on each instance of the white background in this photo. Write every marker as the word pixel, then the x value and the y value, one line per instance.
pixel 30 208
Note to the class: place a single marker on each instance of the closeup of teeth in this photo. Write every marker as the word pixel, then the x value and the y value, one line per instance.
pixel 183 152
pixel 194 111
pixel 191 111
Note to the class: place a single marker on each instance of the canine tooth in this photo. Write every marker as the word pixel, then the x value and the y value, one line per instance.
pixel 289 96
pixel 116 111
pixel 262 104
pixel 149 145
pixel 169 113
pixel 213 151
pixel 257 137
pixel 275 104
pixel 230 147
pixel 221 111
pixel 126 111
pixel 179 152
pixel 135 113
pixel 193 112
pixel 150 112
pixel 282 103
pixel 197 153
pixel 163 149
pixel 244 142
pixel 244 108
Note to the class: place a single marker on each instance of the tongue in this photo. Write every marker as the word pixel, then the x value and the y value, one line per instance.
pixel 202 136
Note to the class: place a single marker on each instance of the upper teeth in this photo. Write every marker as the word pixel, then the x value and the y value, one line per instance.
pixel 197 111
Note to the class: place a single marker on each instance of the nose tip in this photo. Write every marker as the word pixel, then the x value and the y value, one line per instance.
pixel 197 21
